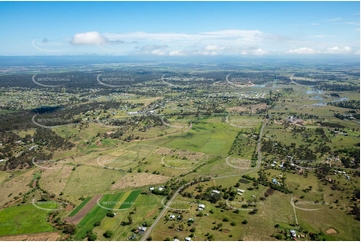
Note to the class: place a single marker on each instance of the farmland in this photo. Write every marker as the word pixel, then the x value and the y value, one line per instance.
pixel 135 163
pixel 25 219
pixel 77 209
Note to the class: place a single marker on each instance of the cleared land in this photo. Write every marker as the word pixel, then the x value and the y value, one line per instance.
pixel 84 211
pixel 25 219
pixel 77 209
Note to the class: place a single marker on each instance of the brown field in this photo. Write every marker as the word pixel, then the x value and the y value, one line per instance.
pixel 80 215
pixel 246 108
pixel 181 153
pixel 15 186
pixel 138 180
pixel 239 163
pixel 331 231
pixel 270 191
pixel 48 236
pixel 54 181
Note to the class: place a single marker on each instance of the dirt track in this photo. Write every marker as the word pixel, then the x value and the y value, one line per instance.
pixel 80 215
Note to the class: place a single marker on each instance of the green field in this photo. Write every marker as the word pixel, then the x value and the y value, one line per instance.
pixel 25 219
pixel 96 214
pixel 77 209
pixel 203 137
pixel 130 199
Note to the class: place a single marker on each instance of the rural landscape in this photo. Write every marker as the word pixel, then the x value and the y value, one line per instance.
pixel 180 151
pixel 179 120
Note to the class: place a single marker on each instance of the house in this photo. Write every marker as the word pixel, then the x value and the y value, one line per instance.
pixel 132 113
pixel 202 206
pixel 190 220
pixel 142 229
pixel 240 190
pixel 161 188
pixel 151 188
pixel 239 193
pixel 172 216
pixel 33 147
pixel 216 191
pixel 188 239
pixel 293 233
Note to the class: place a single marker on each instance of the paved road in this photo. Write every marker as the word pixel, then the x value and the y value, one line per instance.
pixel 292 81
pixel 149 230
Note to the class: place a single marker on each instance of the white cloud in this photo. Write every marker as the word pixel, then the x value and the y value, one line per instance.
pixel 353 23
pixel 337 50
pixel 88 38
pixel 221 42
pixel 332 20
pixel 314 24
pixel 303 50
pixel 177 53
pixel 319 36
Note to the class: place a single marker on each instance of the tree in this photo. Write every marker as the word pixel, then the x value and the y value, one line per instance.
pixel 91 236
pixel 69 229
pixel 108 234
pixel 130 220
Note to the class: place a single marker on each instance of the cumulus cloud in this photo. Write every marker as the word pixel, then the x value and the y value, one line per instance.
pixel 221 42
pixel 338 50
pixel 153 50
pixel 88 38
pixel 177 53
pixel 331 50
pixel 302 51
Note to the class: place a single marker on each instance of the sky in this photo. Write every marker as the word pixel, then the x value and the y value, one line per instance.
pixel 180 28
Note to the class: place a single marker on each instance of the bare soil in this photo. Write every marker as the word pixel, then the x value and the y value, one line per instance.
pixel 138 180
pixel 47 236
pixel 80 215
pixel 270 191
pixel 69 207
pixel 331 231
pixel 180 153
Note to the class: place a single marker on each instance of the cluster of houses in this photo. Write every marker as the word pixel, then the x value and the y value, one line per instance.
pixel 142 113
pixel 160 188
pixel 274 181
pixel 293 120
pixel 343 173
pixel 201 207
pixel 240 192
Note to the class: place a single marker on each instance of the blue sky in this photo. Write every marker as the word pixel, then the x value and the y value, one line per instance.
pixel 179 28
